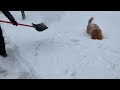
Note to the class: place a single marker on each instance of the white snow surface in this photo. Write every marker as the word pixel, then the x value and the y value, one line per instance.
pixel 64 50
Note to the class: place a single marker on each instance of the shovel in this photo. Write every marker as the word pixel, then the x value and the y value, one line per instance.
pixel 39 27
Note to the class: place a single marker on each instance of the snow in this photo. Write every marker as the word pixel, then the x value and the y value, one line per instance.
pixel 65 50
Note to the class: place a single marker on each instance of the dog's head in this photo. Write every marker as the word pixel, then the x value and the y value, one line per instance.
pixel 96 34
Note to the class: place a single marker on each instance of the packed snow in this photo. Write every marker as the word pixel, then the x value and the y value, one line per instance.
pixel 64 50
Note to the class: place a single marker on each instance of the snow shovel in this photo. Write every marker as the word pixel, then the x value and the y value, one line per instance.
pixel 39 27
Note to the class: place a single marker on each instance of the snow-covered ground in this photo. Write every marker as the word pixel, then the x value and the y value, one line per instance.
pixel 64 51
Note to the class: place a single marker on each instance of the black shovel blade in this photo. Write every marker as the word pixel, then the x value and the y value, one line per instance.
pixel 40 27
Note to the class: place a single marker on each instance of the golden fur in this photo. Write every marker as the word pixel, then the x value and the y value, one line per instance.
pixel 94 30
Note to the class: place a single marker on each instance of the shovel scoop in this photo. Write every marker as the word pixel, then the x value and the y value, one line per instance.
pixel 40 27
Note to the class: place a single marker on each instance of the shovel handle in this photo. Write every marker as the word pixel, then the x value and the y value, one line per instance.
pixel 18 23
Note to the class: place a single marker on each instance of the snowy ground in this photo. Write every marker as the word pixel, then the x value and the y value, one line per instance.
pixel 64 51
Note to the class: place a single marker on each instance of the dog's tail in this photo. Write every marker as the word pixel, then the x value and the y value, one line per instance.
pixel 90 20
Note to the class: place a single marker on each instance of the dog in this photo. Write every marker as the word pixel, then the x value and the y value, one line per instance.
pixel 94 30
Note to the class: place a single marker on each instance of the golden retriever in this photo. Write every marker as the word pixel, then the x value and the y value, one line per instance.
pixel 94 30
